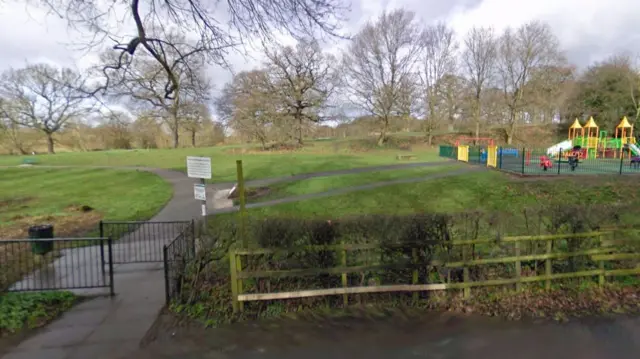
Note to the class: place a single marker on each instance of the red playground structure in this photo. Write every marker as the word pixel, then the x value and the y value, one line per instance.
pixel 476 140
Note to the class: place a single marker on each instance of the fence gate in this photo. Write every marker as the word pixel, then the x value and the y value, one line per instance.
pixel 143 241
pixel 463 153
pixel 492 156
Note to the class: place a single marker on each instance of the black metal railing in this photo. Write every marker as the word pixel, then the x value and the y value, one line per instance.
pixel 141 241
pixel 56 264
pixel 177 255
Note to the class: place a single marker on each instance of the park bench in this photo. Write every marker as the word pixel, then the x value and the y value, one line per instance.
pixel 406 157
pixel 29 161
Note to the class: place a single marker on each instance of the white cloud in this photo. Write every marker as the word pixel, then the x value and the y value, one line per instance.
pixel 588 29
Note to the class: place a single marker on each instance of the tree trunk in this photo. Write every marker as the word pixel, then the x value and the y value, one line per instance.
pixel 50 143
pixel 176 138
pixel 193 138
pixel 300 140
pixel 383 132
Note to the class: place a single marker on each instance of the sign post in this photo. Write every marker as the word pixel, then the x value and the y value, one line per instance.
pixel 200 167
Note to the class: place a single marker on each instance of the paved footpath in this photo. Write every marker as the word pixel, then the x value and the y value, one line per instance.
pixel 114 327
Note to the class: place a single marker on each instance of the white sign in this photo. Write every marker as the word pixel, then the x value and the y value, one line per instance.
pixel 199 167
pixel 200 192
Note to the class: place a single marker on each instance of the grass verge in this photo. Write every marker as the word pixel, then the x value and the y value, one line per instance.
pixel 489 191
pixel 75 200
pixel 315 157
pixel 20 312
pixel 323 184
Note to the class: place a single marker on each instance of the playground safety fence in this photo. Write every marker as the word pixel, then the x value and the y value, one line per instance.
pixel 539 162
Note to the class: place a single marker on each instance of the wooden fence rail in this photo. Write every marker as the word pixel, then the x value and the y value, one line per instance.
pixel 608 248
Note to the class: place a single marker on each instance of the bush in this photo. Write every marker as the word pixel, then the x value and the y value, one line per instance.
pixel 20 311
pixel 419 242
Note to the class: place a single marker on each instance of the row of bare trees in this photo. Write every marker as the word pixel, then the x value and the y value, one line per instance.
pixel 51 99
pixel 396 68
pixel 279 101
pixel 394 71
pixel 156 70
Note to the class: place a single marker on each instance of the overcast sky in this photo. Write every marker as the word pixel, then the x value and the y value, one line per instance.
pixel 589 30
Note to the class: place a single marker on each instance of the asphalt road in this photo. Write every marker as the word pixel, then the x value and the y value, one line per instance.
pixel 433 337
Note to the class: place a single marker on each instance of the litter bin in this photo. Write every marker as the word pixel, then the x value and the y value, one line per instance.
pixel 40 234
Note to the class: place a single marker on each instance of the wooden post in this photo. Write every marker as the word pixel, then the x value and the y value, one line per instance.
pixel 243 210
pixel 601 277
pixel 239 270
pixel 414 279
pixel 343 263
pixel 234 281
pixel 547 265
pixel 465 272
pixel 518 266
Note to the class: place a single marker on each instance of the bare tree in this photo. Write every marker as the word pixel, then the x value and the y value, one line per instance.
pixel 193 116
pixel 200 19
pixel 479 59
pixel 11 136
pixel 115 130
pixel 142 82
pixel 438 61
pixel 248 107
pixel 532 46
pixel 44 98
pixel 634 84
pixel 379 67
pixel 303 78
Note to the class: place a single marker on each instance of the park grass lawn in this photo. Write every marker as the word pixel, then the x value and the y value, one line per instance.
pixel 317 157
pixel 489 191
pixel 323 184
pixel 74 200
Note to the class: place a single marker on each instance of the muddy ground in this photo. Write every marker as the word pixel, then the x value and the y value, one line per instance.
pixel 437 336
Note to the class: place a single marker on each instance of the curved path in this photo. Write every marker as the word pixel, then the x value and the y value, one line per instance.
pixel 114 327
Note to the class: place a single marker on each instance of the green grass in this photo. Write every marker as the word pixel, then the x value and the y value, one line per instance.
pixel 322 184
pixel 486 191
pixel 25 311
pixel 318 156
pixel 54 196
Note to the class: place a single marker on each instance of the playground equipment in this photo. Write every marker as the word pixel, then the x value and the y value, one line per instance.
pixel 476 140
pixel 594 143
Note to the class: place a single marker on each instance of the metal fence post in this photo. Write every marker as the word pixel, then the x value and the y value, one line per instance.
pixel 524 155
pixel 621 161
pixel 111 284
pixel 166 274
pixel 559 159
pixel 101 226
pixel 193 238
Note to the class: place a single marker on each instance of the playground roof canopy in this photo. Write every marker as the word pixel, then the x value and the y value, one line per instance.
pixel 576 125
pixel 591 123
pixel 624 123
